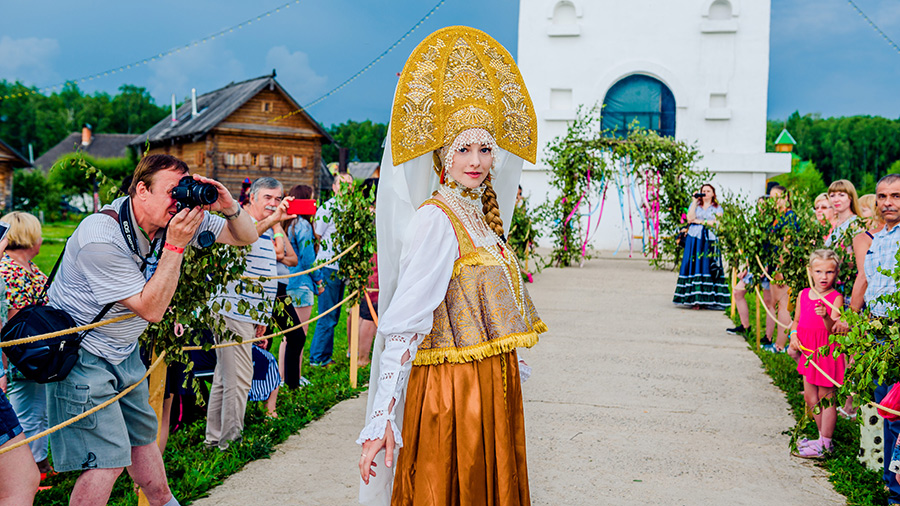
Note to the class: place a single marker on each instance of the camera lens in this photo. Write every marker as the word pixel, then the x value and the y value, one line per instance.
pixel 192 193
pixel 206 193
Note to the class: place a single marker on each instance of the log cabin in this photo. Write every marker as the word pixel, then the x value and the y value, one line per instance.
pixel 244 130
pixel 10 159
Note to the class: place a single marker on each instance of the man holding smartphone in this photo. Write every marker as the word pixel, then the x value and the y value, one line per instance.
pixel 139 274
pixel 267 208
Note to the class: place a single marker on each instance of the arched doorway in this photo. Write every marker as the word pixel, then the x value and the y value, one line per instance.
pixel 642 100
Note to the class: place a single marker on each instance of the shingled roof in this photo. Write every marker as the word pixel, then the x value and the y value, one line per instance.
pixel 101 146
pixel 213 108
pixel 17 159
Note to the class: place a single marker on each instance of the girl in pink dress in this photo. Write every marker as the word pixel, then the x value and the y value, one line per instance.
pixel 810 336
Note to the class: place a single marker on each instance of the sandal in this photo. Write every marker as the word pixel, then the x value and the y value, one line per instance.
pixel 813 450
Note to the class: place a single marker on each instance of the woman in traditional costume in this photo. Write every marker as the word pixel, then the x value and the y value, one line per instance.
pixel 453 305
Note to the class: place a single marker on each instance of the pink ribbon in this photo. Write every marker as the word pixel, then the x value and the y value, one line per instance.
pixel 588 231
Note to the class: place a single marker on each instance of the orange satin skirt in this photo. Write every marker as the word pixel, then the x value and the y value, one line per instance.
pixel 463 436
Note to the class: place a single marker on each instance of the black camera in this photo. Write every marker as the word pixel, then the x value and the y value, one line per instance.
pixel 191 193
pixel 698 195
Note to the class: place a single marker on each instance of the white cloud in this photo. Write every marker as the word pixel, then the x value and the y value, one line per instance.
pixel 206 67
pixel 295 73
pixel 28 59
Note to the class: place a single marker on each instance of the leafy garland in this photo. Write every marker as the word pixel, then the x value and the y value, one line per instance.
pixel 587 153
pixel 204 272
pixel 523 235
pixel 354 221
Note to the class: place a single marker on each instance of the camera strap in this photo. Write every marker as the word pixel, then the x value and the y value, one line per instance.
pixel 128 232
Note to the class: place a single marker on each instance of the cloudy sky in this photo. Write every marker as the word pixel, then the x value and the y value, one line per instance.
pixel 825 58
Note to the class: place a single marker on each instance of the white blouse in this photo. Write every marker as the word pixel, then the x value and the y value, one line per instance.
pixel 426 266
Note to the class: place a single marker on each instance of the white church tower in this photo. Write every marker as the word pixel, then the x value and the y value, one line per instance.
pixel 694 69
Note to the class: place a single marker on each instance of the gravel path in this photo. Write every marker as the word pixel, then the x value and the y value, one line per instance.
pixel 632 401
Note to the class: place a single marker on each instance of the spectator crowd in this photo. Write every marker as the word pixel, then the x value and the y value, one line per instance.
pixel 804 325
pixel 100 265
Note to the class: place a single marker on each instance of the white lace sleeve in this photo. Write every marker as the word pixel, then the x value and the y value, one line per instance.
pixel 425 269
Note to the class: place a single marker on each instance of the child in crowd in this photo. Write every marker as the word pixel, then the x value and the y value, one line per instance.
pixel 813 322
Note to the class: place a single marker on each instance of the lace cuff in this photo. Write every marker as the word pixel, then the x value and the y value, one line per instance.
pixel 391 382
pixel 375 430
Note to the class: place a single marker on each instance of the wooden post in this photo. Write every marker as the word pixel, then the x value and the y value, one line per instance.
pixel 758 302
pixel 354 343
pixel 157 396
pixel 733 284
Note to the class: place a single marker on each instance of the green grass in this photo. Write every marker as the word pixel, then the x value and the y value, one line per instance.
pixel 55 235
pixel 193 470
pixel 860 485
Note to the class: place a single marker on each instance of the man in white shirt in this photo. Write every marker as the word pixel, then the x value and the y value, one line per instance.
pixel 139 273
pixel 234 364
pixel 323 340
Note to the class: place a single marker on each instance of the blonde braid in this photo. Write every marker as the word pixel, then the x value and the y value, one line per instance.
pixel 491 208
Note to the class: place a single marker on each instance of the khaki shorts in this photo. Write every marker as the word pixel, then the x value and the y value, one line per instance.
pixel 104 439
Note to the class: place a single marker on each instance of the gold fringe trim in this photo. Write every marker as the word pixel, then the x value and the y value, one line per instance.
pixel 473 258
pixel 481 351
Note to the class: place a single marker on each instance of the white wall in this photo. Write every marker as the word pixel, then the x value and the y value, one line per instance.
pixel 572 51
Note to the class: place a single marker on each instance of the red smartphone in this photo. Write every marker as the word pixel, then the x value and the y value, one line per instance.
pixel 302 206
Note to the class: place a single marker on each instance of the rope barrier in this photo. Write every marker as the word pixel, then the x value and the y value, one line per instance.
pixel 275 334
pixel 89 412
pixel 72 330
pixel 761 300
pixel 764 271
pixel 838 385
pixel 307 271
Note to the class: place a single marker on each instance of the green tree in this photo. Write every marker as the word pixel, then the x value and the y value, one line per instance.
pixel 364 139
pixel 858 148
pixel 44 120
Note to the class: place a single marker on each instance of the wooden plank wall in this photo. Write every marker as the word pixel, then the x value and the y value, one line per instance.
pixel 6 176
pixel 233 175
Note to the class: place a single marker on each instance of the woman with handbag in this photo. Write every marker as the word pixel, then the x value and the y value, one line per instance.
pixel 701 281
pixel 24 284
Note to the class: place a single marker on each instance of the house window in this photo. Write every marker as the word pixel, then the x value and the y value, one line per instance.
pixel 254 159
pixel 639 100
pixel 199 158
pixel 264 161
pixel 267 106
pixel 229 159
pixel 299 162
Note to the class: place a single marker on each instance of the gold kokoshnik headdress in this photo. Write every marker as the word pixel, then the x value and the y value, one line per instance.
pixel 456 79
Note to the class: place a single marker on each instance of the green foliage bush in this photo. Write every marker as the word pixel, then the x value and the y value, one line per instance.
pixel 72 175
pixel 523 232
pixel 354 221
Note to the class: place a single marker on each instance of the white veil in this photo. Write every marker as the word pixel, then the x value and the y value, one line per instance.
pixel 401 190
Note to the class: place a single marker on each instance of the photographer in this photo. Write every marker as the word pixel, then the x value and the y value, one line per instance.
pixel 139 273
pixel 701 282
pixel 234 364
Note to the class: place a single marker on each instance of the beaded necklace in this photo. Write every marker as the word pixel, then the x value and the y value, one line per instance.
pixel 469 211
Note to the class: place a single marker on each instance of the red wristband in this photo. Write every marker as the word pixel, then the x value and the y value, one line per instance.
pixel 172 247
